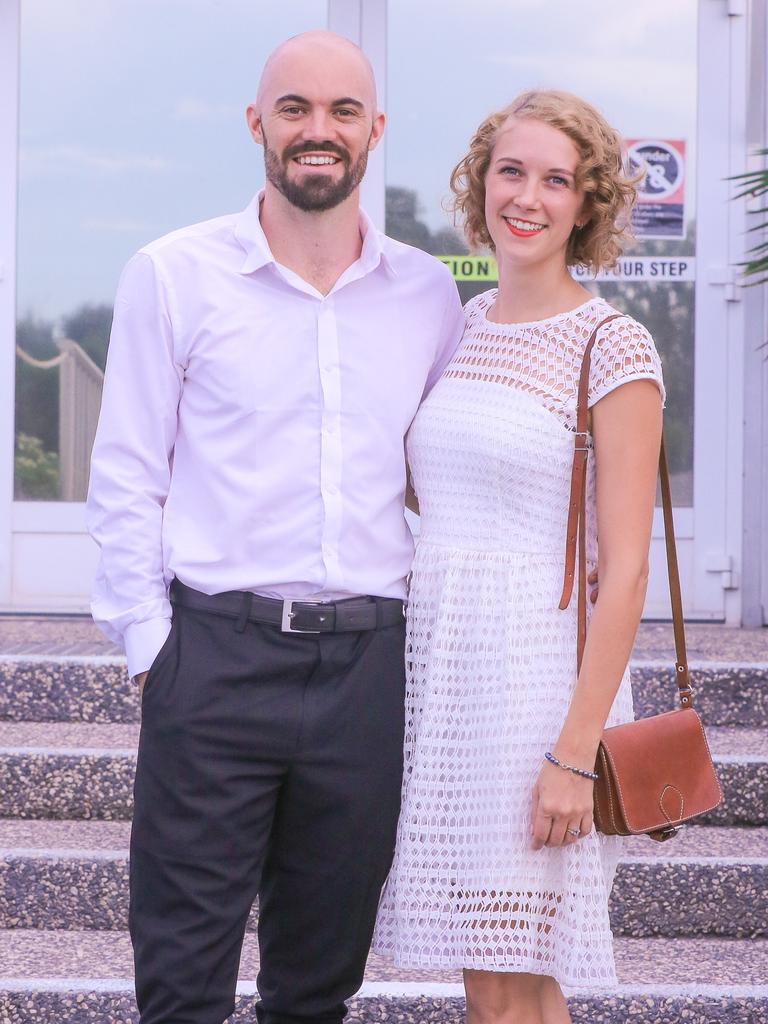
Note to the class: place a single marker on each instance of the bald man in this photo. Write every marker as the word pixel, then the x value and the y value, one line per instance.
pixel 246 492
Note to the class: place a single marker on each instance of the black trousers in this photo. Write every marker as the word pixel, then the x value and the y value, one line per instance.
pixel 269 764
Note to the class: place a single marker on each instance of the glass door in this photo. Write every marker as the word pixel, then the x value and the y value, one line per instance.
pixel 648 69
pixel 131 124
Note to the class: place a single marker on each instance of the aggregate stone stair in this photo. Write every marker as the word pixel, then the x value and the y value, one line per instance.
pixel 690 916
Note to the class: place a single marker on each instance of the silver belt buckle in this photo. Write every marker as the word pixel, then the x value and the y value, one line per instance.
pixel 288 615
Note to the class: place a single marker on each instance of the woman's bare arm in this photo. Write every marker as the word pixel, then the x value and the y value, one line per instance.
pixel 627 435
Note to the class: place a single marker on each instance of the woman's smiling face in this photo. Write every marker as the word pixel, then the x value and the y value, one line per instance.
pixel 531 198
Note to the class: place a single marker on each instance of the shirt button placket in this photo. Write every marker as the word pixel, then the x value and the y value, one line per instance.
pixel 330 443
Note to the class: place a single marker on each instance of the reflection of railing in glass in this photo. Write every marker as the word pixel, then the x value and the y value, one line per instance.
pixel 80 385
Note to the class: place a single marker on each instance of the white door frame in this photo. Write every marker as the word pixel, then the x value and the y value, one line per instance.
pixel 709 535
pixel 755 535
pixel 9 134
pixel 712 588
pixel 46 557
pixel 365 23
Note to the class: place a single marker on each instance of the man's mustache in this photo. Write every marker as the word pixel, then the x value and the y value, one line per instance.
pixel 315 147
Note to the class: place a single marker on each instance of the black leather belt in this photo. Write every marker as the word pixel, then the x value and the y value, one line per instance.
pixel 292 616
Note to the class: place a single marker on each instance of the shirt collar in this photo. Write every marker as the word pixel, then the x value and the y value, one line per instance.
pixel 250 235
pixel 376 247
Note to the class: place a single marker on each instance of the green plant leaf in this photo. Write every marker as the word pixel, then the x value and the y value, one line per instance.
pixel 752 184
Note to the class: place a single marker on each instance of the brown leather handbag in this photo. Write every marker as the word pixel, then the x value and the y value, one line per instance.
pixel 656 773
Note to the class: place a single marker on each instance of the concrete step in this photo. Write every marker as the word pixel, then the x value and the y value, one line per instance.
pixel 741 760
pixel 95 688
pixel 66 688
pixel 707 881
pixel 86 977
pixel 725 693
pixel 79 770
pixel 53 635
pixel 67 770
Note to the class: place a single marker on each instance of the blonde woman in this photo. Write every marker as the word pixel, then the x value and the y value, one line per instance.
pixel 498 869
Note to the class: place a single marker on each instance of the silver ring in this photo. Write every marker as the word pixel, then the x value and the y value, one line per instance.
pixel 573 831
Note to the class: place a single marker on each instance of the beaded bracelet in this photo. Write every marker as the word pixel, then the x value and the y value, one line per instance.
pixel 569 768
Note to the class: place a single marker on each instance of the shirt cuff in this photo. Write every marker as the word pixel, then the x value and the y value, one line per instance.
pixel 143 641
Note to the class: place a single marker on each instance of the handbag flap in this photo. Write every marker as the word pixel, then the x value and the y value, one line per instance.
pixel 661 769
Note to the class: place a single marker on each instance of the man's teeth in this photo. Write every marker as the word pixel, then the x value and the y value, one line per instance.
pixel 524 225
pixel 317 159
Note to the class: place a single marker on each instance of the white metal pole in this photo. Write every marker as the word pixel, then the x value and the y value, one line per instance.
pixel 755 529
pixel 716 291
pixel 344 18
pixel 373 39
pixel 734 397
pixel 365 23
pixel 9 142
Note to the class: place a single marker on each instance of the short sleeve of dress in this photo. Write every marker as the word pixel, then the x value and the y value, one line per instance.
pixel 624 351
pixel 477 302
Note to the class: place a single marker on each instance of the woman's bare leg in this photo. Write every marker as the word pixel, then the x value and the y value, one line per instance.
pixel 495 997
pixel 554 1008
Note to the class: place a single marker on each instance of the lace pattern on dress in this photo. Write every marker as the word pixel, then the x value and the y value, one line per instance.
pixel 544 358
pixel 491 659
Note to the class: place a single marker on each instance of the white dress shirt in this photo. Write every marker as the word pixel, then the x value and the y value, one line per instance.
pixel 252 430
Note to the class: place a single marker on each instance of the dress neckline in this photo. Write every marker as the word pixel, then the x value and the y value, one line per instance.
pixel 489 296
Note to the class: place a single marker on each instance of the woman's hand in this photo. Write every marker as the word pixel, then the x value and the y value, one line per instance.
pixel 561 801
pixel 594 582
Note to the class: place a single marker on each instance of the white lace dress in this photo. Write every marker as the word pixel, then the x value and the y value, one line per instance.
pixel 491 660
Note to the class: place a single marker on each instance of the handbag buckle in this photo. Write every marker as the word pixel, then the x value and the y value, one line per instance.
pixel 686 696
pixel 584 446
pixel 669 833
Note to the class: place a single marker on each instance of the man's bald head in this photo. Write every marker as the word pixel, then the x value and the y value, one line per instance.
pixel 315 115
pixel 309 53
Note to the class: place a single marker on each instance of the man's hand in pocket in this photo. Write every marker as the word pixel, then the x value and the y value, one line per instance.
pixel 141 678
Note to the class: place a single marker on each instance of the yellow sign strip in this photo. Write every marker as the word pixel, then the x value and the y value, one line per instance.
pixel 654 269
pixel 472 268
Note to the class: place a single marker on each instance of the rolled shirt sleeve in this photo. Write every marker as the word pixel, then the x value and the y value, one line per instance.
pixel 131 465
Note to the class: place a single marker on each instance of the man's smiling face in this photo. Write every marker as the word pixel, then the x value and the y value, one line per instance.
pixel 316 117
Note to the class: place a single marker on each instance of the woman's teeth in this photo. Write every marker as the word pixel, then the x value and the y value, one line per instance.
pixel 524 225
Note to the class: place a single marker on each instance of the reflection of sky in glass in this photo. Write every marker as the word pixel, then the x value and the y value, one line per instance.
pixel 454 63
pixel 132 117
pixel 132 124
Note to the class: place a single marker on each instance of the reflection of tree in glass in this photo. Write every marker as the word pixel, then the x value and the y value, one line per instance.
pixel 37 391
pixel 37 471
pixel 37 395
pixel 667 310
pixel 402 223
pixel 667 246
pixel 89 326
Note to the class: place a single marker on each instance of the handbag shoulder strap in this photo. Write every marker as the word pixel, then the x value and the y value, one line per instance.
pixel 576 532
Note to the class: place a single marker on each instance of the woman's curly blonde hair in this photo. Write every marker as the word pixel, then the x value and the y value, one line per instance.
pixel 610 192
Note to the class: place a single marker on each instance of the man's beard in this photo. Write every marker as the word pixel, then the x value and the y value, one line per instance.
pixel 314 192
